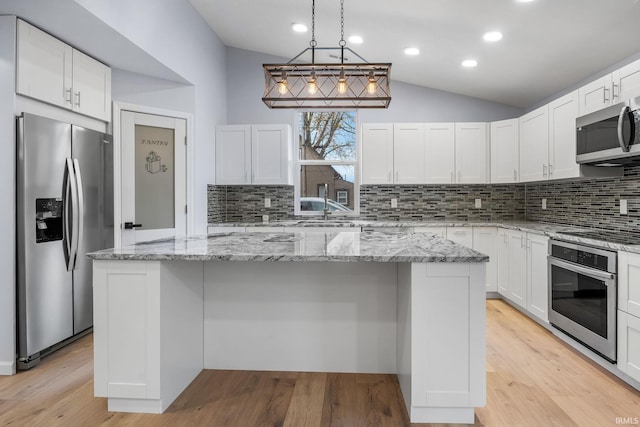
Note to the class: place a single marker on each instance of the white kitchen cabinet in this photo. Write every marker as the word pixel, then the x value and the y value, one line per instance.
pixel 270 154
pixel 440 153
pixel 54 72
pixel 562 137
pixel 485 240
pixel 461 235
pixel 253 154
pixel 517 268
pixel 534 145
pixel 505 163
pixel 233 154
pixel 629 344
pixel 377 153
pixel 502 250
pixel 596 95
pixel 627 82
pixel 91 87
pixel 537 277
pixel 629 283
pixel 472 154
pixel 408 153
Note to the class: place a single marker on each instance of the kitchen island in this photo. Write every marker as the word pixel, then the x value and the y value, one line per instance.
pixel 404 303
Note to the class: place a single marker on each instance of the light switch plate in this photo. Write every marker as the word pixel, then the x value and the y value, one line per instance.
pixel 394 203
pixel 478 203
pixel 265 218
pixel 623 207
pixel 267 202
pixel 544 203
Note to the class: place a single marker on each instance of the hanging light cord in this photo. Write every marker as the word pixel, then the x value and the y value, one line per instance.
pixel 313 42
pixel 342 42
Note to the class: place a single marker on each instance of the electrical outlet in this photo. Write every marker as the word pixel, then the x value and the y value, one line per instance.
pixel 478 203
pixel 265 218
pixel 544 203
pixel 394 203
pixel 623 207
pixel 267 202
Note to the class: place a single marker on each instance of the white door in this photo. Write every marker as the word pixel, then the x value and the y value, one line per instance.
pixel 153 177
pixel 377 153
pixel 534 145
pixel 562 133
pixel 408 153
pixel 471 153
pixel 504 151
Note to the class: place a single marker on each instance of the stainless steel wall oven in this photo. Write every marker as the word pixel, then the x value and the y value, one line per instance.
pixel 583 294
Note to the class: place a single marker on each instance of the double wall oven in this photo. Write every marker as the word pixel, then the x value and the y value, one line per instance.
pixel 583 294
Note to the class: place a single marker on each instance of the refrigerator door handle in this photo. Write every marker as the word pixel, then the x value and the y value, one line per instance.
pixel 66 228
pixel 71 222
pixel 80 209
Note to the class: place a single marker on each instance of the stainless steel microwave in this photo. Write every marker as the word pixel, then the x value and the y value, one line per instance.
pixel 611 136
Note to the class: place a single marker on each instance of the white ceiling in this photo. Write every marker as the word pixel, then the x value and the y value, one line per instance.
pixel 548 45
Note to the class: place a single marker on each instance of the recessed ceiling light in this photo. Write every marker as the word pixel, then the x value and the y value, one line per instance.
pixel 356 40
pixel 469 63
pixel 299 28
pixel 492 36
pixel 412 51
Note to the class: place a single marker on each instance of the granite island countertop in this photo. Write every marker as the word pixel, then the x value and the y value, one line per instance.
pixel 343 246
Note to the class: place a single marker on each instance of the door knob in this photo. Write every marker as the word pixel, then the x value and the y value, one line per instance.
pixel 130 225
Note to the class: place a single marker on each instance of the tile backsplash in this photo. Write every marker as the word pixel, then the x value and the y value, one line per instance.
pixel 590 203
pixel 587 203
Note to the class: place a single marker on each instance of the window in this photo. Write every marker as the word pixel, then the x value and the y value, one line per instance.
pixel 328 155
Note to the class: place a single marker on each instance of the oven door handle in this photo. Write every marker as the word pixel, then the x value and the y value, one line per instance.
pixel 582 270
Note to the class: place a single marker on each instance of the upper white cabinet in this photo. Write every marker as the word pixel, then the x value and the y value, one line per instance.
pixel 258 154
pixel 440 153
pixel 619 86
pixel 54 72
pixel 596 95
pixel 377 153
pixel 534 145
pixel 472 154
pixel 626 81
pixel 562 137
pixel 505 163
pixel 408 153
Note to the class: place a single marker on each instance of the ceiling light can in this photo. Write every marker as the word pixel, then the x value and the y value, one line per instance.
pixel 412 51
pixel 355 39
pixel 492 36
pixel 469 63
pixel 299 28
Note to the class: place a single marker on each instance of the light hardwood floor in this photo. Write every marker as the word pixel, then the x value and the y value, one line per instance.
pixel 533 379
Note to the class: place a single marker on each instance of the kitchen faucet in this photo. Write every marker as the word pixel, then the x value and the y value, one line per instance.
pixel 325 214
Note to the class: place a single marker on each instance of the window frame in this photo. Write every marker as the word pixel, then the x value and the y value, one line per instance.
pixel 298 163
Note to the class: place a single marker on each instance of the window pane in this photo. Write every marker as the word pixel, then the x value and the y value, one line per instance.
pixel 339 180
pixel 327 135
pixel 154 173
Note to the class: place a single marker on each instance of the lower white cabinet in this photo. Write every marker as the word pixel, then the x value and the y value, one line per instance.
pixel 629 314
pixel 485 241
pixel 522 270
pixel 537 276
pixel 629 344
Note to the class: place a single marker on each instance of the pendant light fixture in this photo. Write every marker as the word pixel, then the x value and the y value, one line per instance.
pixel 327 85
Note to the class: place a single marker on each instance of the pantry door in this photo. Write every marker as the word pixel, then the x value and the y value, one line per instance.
pixel 153 177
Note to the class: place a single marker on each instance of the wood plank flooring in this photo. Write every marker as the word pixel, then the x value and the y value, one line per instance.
pixel 533 379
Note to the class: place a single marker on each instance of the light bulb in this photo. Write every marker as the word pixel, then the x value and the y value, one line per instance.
pixel 342 83
pixel 282 84
pixel 372 86
pixel 312 86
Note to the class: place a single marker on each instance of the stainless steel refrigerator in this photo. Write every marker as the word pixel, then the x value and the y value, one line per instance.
pixel 64 210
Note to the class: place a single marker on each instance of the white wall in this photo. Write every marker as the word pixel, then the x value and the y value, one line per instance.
pixel 409 103
pixel 173 33
pixel 7 195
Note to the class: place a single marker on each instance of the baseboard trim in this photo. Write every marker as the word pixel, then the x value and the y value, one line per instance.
pixel 8 368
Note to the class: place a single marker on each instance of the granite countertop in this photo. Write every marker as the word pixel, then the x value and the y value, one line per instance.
pixel 346 246
pixel 554 231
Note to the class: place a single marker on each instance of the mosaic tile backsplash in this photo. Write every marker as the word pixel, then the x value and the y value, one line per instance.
pixel 415 202
pixel 588 203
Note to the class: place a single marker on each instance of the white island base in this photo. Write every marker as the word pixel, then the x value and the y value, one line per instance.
pixel 157 324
